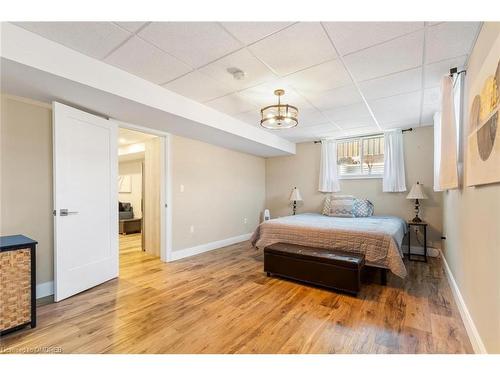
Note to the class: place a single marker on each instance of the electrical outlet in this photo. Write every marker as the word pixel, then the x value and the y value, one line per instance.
pixel 245 221
pixel 181 188
pixel 191 229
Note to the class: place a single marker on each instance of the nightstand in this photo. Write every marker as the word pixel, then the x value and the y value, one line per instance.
pixel 421 225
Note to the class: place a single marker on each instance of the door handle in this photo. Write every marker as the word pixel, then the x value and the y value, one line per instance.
pixel 65 212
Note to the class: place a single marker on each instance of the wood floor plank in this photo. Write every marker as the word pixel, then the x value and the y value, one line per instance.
pixel 223 302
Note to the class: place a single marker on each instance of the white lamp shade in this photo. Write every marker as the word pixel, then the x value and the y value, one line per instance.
pixel 295 195
pixel 417 192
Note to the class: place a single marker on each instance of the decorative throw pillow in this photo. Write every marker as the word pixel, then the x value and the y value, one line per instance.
pixel 362 208
pixel 339 205
pixel 326 205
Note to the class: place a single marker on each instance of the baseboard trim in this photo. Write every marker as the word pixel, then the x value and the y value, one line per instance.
pixel 470 327
pixel 45 289
pixel 195 250
pixel 419 250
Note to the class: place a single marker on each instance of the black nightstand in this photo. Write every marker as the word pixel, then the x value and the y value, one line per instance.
pixel 422 225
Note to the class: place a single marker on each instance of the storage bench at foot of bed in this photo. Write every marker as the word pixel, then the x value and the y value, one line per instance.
pixel 328 268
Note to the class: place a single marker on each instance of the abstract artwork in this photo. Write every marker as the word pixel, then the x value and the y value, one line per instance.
pixel 483 153
pixel 125 184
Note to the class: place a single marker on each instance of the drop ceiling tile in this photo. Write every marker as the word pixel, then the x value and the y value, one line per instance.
pixel 353 36
pixel 197 86
pixel 319 78
pixel 297 47
pixel 394 56
pixel 195 43
pixel 397 111
pixel 434 72
pixel 95 39
pixel 338 97
pixel 146 61
pixel 351 116
pixel 394 84
pixel 263 95
pixel 256 72
pixel 250 32
pixel 450 39
pixel 360 131
pixel 232 104
pixel 308 133
pixel 323 130
pixel 131 26
pixel 431 105
pixel 311 117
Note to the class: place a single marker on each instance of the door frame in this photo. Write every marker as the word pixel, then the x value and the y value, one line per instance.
pixel 165 187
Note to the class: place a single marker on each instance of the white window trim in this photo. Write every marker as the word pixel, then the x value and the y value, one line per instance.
pixel 360 176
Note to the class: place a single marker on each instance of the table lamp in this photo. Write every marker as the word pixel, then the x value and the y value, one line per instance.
pixel 295 197
pixel 417 192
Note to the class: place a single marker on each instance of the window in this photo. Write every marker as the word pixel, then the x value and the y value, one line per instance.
pixel 361 157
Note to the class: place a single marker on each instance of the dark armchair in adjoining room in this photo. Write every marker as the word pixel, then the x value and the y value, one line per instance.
pixel 128 223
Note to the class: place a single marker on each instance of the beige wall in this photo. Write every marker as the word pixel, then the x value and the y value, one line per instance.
pixel 302 171
pixel 472 215
pixel 221 189
pixel 26 178
pixel 133 169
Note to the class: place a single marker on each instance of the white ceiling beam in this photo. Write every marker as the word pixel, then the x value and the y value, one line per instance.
pixel 31 63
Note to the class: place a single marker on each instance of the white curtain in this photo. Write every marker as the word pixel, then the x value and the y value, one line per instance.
pixel 447 177
pixel 394 162
pixel 437 150
pixel 328 175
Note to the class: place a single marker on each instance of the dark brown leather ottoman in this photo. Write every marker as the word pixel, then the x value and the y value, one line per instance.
pixel 328 268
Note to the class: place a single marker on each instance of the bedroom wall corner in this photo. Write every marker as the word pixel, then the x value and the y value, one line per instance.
pixel 302 170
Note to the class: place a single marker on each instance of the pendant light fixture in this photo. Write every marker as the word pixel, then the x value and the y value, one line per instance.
pixel 279 116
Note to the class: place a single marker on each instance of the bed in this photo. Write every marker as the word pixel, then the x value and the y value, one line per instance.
pixel 378 237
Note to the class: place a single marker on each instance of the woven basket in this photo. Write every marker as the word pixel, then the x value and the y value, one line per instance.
pixel 15 288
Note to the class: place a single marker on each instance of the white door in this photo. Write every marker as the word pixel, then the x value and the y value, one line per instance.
pixel 85 200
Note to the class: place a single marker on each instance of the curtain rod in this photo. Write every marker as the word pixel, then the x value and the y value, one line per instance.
pixel 404 131
pixel 455 71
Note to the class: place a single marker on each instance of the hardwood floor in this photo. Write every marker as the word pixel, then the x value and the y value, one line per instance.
pixel 222 302
pixel 130 243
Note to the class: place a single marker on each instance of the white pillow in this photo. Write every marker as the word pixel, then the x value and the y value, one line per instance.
pixel 339 205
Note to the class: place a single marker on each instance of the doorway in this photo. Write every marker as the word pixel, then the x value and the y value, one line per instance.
pixel 86 196
pixel 139 192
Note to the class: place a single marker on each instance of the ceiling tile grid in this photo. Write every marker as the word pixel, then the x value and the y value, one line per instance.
pixel 147 61
pixel 351 116
pixel 390 57
pixel 95 39
pixel 195 43
pixel 345 77
pixel 294 48
pixel 255 71
pixel 449 39
pixel 353 36
pixel 398 110
pixel 233 104
pixel 198 86
pixel 251 32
